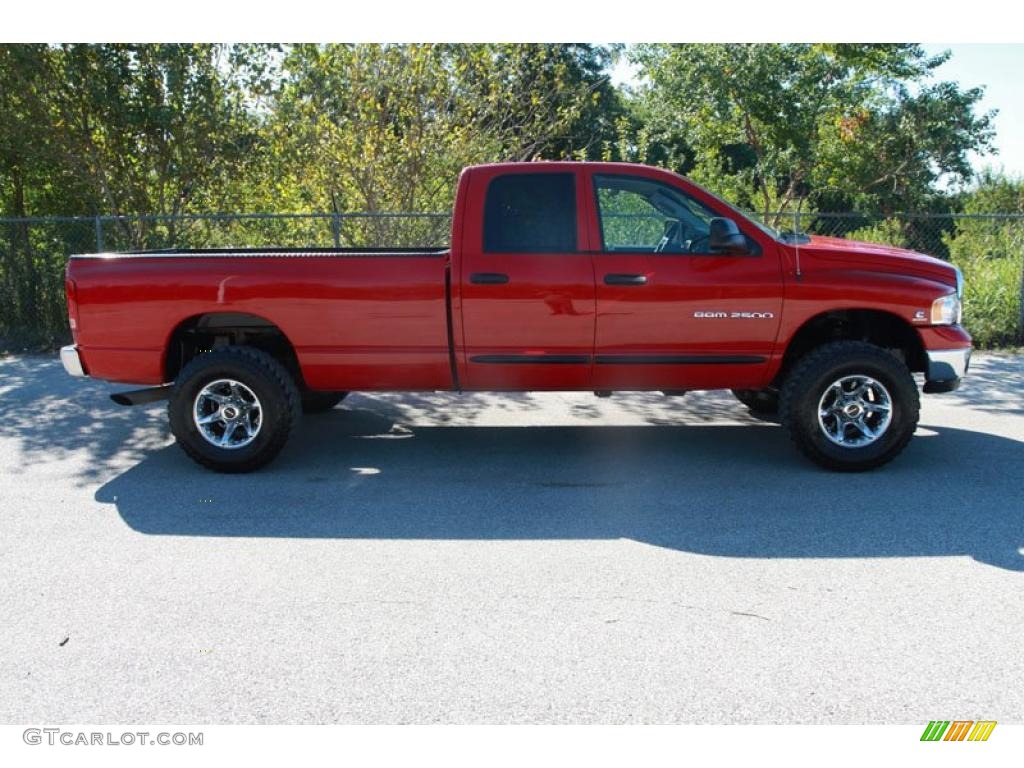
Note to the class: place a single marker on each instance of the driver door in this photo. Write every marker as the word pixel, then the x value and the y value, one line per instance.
pixel 670 313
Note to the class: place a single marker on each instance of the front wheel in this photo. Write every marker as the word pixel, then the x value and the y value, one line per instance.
pixel 850 406
pixel 232 409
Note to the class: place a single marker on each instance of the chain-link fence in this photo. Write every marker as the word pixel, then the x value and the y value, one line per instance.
pixel 33 253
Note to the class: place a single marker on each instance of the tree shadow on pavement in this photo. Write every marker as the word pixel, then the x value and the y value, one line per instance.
pixel 995 383
pixel 52 416
pixel 734 491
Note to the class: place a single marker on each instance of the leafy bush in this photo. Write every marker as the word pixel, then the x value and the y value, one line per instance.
pixel 887 232
pixel 989 249
pixel 990 253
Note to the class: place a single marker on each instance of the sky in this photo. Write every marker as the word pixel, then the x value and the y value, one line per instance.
pixel 998 67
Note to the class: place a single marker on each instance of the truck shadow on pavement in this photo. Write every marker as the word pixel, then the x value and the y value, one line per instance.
pixel 732 491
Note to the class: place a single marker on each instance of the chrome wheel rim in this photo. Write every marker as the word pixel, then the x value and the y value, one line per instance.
pixel 227 414
pixel 855 411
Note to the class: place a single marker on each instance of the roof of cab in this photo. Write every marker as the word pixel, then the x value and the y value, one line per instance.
pixel 565 165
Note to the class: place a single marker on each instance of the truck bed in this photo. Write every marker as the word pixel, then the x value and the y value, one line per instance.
pixel 358 319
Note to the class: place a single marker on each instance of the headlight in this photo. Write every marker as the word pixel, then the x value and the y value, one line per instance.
pixel 946 311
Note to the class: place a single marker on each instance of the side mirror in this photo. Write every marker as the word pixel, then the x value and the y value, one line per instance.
pixel 725 237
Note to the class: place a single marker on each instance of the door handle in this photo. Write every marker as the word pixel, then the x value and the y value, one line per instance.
pixel 488 278
pixel 615 279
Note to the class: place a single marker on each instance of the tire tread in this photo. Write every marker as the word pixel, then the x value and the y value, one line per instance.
pixel 810 367
pixel 256 360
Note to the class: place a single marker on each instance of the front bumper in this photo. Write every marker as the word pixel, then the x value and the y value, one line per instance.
pixel 71 361
pixel 946 367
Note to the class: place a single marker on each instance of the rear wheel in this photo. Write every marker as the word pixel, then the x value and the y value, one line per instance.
pixel 850 406
pixel 232 410
pixel 759 400
pixel 314 401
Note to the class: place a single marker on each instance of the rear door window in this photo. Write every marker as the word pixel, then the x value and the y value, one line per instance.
pixel 531 213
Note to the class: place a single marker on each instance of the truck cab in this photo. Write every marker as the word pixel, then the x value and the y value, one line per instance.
pixel 609 277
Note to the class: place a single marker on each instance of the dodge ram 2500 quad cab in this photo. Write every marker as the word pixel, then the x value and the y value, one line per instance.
pixel 560 276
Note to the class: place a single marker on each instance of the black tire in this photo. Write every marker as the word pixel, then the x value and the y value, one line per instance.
pixel 320 402
pixel 810 379
pixel 764 401
pixel 266 378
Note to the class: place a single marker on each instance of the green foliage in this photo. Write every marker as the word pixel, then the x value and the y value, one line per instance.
pixel 890 231
pixel 776 125
pixel 990 253
pixel 388 128
pixel 992 295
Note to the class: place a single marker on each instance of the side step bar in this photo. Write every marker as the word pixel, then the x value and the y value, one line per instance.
pixel 142 396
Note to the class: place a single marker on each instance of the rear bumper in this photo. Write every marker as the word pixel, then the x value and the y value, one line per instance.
pixel 946 368
pixel 71 361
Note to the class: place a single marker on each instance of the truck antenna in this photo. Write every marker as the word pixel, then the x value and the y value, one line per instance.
pixel 796 239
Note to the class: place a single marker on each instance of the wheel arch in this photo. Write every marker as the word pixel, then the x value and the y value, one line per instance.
pixel 207 331
pixel 874 326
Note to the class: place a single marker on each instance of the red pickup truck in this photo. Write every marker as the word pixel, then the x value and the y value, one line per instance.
pixel 560 276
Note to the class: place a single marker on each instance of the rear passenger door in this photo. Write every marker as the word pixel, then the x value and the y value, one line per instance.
pixel 526 297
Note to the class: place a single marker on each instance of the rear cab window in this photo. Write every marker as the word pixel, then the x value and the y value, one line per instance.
pixel 531 213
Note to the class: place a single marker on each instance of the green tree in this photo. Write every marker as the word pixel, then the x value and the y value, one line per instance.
pixel 113 129
pixel 550 102
pixel 389 127
pixel 128 129
pixel 774 126
pixel 157 129
pixel 32 180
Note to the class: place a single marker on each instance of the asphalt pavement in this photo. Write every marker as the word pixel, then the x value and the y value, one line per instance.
pixel 541 558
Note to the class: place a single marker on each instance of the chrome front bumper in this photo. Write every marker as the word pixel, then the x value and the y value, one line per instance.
pixel 946 367
pixel 71 361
